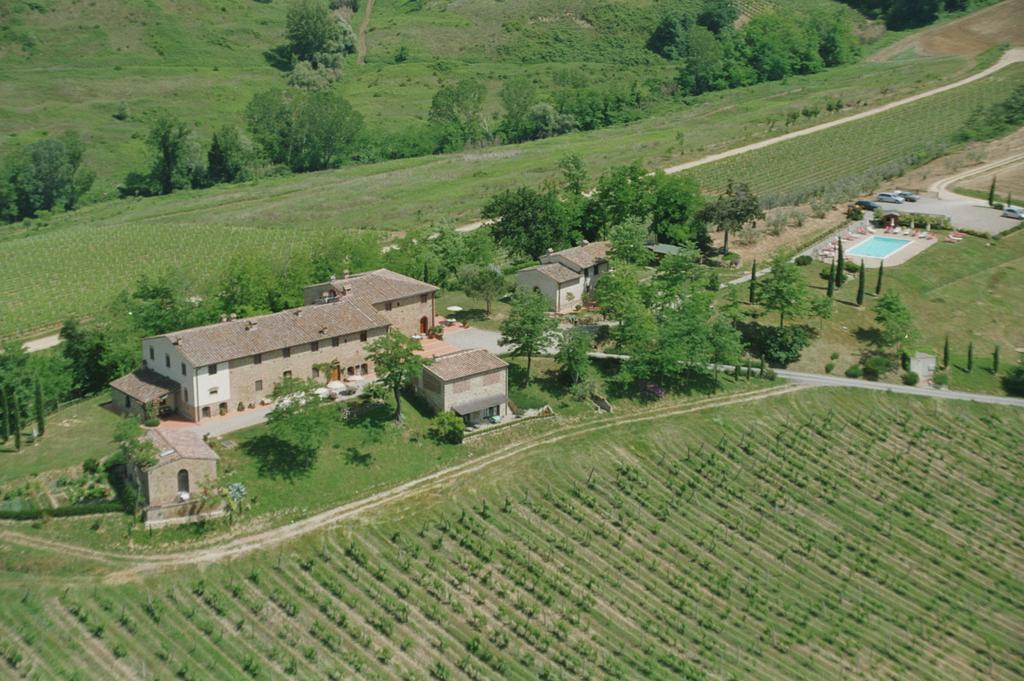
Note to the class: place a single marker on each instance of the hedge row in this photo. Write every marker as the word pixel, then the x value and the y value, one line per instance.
pixel 63 511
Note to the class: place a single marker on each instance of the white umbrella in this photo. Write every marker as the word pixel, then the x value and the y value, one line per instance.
pixel 453 308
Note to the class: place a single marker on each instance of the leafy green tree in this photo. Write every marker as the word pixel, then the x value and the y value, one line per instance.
pixel 705 62
pixel 15 406
pixel 5 415
pixel 574 174
pixel 528 329
pixel 727 346
pixel 822 308
pixel 718 15
pixel 447 428
pixel 38 408
pixel 178 161
pixel 485 282
pixel 573 355
pixel 314 32
pixel 518 96
pixel 527 222
pixel 232 156
pixel 733 209
pixel 396 363
pixel 904 14
pixel 1013 381
pixel 457 111
pixel 620 296
pixel 674 206
pixel 134 449
pixel 894 321
pixel 47 175
pixel 861 276
pixel 299 423
pixel 784 290
pixel 878 282
pixel 669 36
pixel 304 130
pixel 623 192
pixel 752 292
pixel 629 242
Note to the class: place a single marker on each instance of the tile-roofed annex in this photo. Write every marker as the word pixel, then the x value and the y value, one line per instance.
pixel 145 385
pixel 380 286
pixel 464 363
pixel 582 256
pixel 229 340
pixel 175 444
pixel 554 271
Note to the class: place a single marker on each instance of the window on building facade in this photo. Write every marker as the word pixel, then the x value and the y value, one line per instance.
pixel 167 361
pixel 152 352
pixel 184 371
pixel 423 298
pixel 387 307
pixel 286 353
pixel 316 373
pixel 362 336
pixel 287 374
pixel 314 346
pixel 127 402
pixel 212 369
pixel 335 342
pixel 257 359
pixel 259 386
pixel 214 391
pixel 186 395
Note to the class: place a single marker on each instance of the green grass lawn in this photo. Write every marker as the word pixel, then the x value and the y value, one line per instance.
pixel 966 290
pixel 474 312
pixel 73 434
pixel 821 534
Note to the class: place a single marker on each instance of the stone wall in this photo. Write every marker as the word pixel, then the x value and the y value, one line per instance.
pixel 161 481
pixel 405 313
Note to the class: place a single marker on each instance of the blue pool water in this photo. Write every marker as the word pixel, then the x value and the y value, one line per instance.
pixel 878 247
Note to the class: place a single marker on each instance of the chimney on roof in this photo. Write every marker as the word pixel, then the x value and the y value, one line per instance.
pixel 251 324
pixel 223 317
pixel 323 330
pixel 176 341
pixel 297 312
pixel 232 316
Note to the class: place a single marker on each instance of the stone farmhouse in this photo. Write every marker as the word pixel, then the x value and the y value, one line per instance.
pixel 472 383
pixel 172 487
pixel 219 368
pixel 566 277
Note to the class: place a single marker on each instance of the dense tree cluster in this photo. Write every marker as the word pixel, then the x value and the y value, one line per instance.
pixel 771 46
pixel 42 176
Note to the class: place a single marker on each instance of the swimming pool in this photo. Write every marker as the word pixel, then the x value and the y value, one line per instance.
pixel 878 247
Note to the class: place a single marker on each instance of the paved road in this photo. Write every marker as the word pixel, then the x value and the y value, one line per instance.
pixel 37 344
pixel 963 211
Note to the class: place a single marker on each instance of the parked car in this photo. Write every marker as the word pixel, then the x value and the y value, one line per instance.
pixel 1014 212
pixel 907 196
pixel 890 197
pixel 865 204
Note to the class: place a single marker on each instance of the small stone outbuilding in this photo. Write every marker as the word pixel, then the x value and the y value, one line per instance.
pixel 174 487
pixel 472 383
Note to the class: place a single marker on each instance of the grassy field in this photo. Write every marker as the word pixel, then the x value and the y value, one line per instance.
pixel 817 535
pixel 194 229
pixel 966 290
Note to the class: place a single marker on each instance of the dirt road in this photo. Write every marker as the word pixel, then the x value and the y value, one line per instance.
pixel 361 35
pixel 126 567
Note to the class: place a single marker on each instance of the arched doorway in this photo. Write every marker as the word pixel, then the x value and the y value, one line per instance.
pixel 424 324
pixel 183 481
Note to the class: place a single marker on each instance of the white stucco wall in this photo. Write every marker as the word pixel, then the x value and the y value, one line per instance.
pixel 564 298
pixel 220 381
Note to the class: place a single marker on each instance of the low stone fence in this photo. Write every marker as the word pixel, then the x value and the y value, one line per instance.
pixel 185 512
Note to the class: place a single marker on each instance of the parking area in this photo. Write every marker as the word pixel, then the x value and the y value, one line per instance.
pixel 964 213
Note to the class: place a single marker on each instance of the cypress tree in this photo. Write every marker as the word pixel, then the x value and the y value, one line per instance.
pixel 831 279
pixel 995 360
pixel 5 416
pixel 38 405
pixel 753 283
pixel 1009 199
pixel 840 265
pixel 992 191
pixel 945 353
pixel 15 419
pixel 878 282
pixel 860 284
pixel 970 357
pixel 748 368
pixel 760 367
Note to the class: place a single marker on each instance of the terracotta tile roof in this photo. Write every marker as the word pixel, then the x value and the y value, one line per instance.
pixel 254 335
pixel 379 286
pixel 145 385
pixel 583 256
pixel 465 363
pixel 554 271
pixel 176 444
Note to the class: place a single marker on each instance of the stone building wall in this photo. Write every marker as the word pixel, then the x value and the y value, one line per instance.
pixel 161 482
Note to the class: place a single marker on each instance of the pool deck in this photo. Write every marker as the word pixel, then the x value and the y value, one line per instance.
pixel 853 236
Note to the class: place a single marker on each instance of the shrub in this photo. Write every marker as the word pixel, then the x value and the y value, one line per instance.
pixel 854 371
pixel 905 361
pixel 834 356
pixel 941 379
pixel 447 428
pixel 851 266
pixel 782 346
pixel 877 366
pixel 91 466
pixel 803 260
pixel 151 422
pixel 1013 381
pixel 830 367
pixel 910 378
